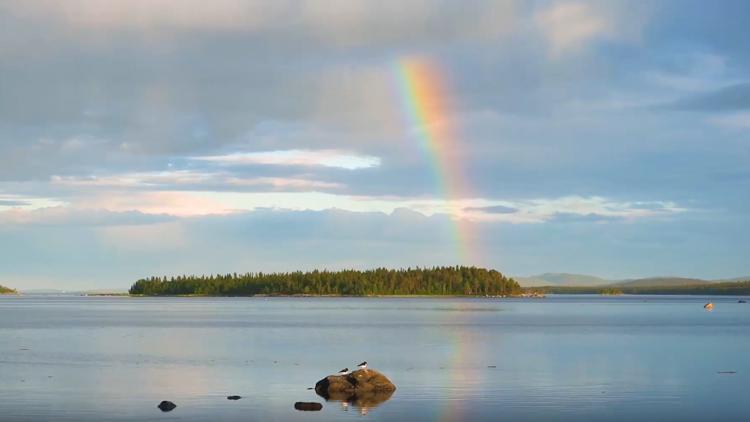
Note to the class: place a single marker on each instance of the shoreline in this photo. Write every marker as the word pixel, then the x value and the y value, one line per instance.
pixel 421 296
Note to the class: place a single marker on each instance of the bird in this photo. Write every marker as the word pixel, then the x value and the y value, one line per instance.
pixel 344 371
pixel 362 365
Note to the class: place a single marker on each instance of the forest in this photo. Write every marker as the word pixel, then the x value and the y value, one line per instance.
pixel 718 289
pixel 449 281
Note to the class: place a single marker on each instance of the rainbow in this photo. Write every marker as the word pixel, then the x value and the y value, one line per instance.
pixel 425 101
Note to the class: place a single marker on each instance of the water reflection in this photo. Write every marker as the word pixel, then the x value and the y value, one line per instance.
pixel 361 402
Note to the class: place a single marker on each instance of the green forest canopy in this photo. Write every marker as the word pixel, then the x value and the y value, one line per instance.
pixel 468 281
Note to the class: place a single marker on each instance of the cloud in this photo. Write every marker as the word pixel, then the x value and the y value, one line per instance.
pixel 195 202
pixel 693 72
pixel 733 121
pixel 580 208
pixel 325 158
pixel 72 217
pixel 102 256
pixel 338 22
pixel 22 202
pixel 570 26
pixel 13 203
pixel 193 180
pixel 494 209
pixel 728 98
pixel 566 217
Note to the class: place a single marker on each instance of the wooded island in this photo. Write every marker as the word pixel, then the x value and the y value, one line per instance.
pixel 436 281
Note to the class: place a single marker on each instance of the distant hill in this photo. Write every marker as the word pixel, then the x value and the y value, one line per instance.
pixel 661 282
pixel 729 280
pixel 583 280
pixel 704 289
pixel 561 279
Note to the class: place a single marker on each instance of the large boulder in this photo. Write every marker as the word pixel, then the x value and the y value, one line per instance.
pixel 364 387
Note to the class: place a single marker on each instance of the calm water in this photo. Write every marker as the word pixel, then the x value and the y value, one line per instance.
pixel 560 358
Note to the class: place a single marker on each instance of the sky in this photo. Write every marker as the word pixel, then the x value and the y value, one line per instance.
pixel 165 137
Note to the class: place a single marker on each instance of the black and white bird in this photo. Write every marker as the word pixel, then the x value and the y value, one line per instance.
pixel 344 371
pixel 362 365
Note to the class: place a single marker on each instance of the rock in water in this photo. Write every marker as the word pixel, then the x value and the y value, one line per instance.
pixel 360 381
pixel 234 397
pixel 166 406
pixel 310 406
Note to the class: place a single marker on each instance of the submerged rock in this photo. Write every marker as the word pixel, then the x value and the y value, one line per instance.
pixel 166 406
pixel 308 406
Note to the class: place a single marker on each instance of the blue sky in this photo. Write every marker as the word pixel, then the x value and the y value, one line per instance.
pixel 164 137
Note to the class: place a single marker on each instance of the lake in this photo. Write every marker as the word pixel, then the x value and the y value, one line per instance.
pixel 563 358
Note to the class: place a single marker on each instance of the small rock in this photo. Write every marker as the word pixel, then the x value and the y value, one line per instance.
pixel 166 406
pixel 491 366
pixel 308 406
pixel 234 397
pixel 741 301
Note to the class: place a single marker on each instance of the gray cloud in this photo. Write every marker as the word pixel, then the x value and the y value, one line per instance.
pixel 495 209
pixel 735 97
pixel 585 218
pixel 13 203
pixel 67 217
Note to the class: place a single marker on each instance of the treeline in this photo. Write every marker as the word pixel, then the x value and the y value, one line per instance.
pixel 6 290
pixel 468 281
pixel 718 289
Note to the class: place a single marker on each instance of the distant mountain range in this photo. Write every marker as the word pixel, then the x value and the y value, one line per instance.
pixel 561 279
pixel 583 280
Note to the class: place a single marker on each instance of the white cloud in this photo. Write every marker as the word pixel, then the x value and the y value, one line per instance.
pixel 22 202
pixel 65 215
pixel 569 26
pixel 188 179
pixel 297 157
pixel 196 203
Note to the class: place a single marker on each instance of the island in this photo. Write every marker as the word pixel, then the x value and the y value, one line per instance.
pixel 6 290
pixel 436 281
